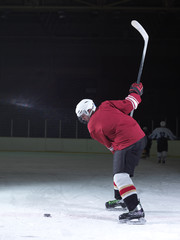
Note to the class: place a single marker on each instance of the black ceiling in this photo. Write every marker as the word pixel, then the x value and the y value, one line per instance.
pixel 92 40
pixel 102 5
pixel 88 18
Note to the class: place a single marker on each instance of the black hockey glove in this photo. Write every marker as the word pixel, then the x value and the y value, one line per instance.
pixel 136 88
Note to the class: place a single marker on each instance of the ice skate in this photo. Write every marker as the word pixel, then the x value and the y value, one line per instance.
pixel 115 204
pixel 135 216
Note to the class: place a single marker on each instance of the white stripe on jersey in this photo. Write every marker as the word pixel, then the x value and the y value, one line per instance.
pixel 133 100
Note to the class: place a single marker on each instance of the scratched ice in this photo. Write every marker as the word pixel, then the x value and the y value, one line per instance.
pixel 73 188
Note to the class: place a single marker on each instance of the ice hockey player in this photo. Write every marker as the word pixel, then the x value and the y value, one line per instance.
pixel 146 152
pixel 111 125
pixel 162 134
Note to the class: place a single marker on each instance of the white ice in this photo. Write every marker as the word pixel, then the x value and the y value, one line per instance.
pixel 73 189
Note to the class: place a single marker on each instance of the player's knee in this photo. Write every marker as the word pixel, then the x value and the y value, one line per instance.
pixel 164 154
pixel 122 179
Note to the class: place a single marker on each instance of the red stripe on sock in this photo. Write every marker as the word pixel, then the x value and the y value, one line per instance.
pixel 114 184
pixel 126 189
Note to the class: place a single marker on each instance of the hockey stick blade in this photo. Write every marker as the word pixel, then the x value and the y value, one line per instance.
pixel 140 29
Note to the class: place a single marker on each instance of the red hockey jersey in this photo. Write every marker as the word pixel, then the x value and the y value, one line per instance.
pixel 112 126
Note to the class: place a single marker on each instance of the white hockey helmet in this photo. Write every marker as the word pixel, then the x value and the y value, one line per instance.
pixel 84 110
pixel 162 123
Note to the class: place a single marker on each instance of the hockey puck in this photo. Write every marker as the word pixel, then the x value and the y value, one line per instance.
pixel 47 215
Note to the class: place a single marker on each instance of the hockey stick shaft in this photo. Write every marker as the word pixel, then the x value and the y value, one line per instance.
pixel 145 36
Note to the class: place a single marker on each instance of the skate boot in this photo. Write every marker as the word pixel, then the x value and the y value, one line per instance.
pixel 135 216
pixel 118 204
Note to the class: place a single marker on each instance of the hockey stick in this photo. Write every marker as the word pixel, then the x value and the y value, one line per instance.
pixel 145 36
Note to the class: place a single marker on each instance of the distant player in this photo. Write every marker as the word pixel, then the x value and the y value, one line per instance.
pixel 146 152
pixel 111 125
pixel 162 135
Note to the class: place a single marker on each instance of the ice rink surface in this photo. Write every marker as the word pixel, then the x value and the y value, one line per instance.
pixel 73 188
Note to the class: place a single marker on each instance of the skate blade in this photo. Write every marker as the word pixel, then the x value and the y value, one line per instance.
pixel 140 221
pixel 116 209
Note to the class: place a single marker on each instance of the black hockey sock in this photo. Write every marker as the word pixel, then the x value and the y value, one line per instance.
pixel 117 195
pixel 131 202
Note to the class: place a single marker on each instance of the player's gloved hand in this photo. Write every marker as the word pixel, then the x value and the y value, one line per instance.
pixel 136 88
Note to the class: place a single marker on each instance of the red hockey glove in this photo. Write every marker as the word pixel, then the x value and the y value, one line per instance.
pixel 136 88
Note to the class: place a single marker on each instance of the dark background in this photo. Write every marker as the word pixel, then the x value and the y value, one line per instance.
pixel 55 53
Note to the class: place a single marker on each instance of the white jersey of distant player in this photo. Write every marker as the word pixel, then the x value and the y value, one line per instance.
pixel 162 132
